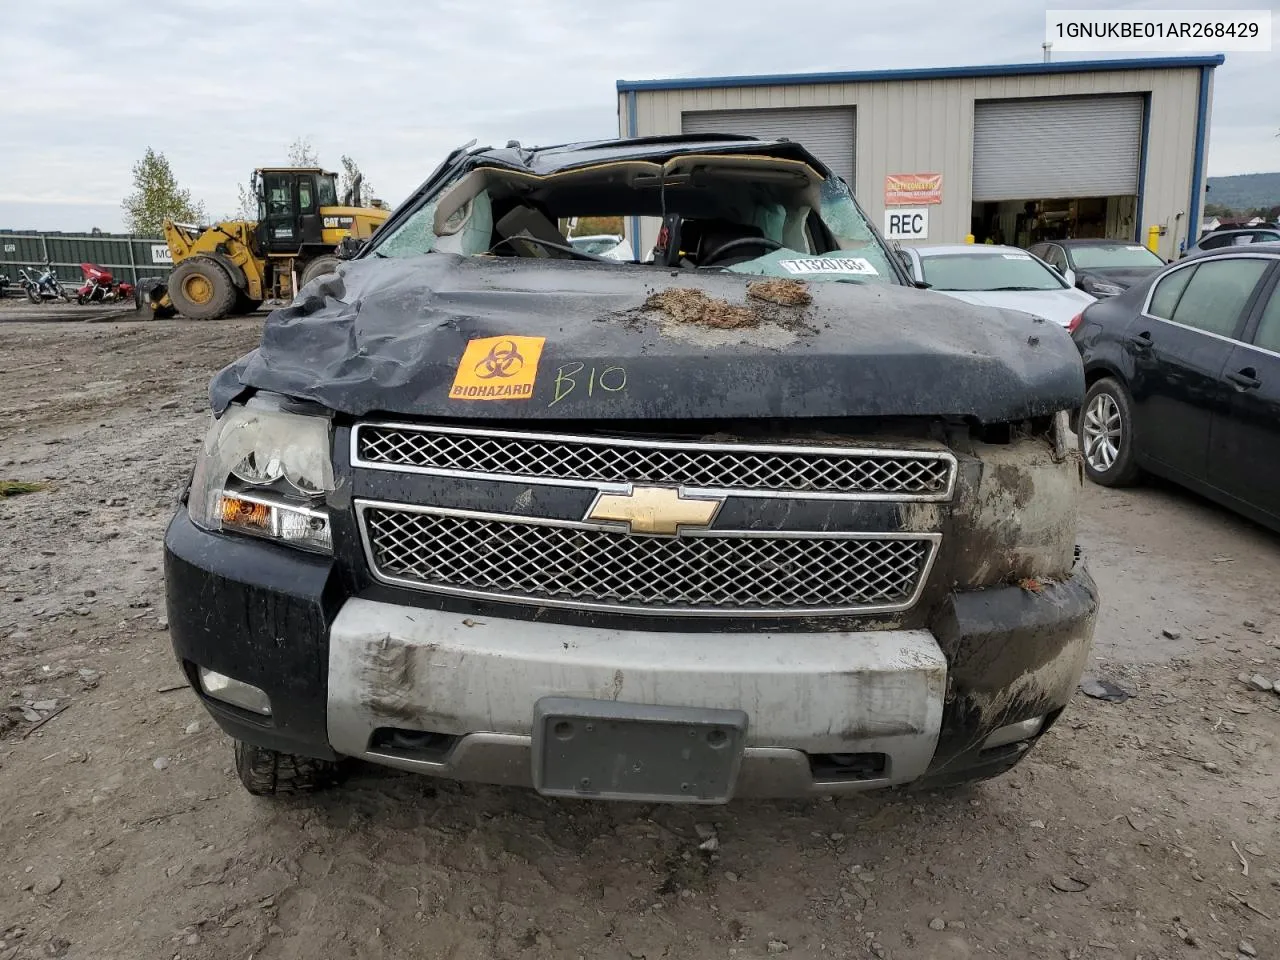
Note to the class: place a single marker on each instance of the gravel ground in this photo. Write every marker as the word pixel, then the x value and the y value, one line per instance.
pixel 1142 829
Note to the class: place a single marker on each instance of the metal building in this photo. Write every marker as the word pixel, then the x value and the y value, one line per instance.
pixel 1015 153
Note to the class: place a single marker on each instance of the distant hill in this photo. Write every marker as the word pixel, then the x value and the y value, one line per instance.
pixel 1245 192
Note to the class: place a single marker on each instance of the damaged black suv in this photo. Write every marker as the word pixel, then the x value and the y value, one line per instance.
pixel 745 516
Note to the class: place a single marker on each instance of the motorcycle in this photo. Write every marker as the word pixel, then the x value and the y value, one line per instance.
pixel 101 287
pixel 42 286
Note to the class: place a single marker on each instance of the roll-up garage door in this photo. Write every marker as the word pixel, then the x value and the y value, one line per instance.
pixel 1060 147
pixel 827 133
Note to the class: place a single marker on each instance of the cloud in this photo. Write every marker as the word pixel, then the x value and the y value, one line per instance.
pixel 222 88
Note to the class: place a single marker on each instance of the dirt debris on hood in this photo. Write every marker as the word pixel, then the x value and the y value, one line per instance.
pixel 785 293
pixel 684 305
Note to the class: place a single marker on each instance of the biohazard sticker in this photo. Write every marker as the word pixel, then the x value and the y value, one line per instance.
pixel 498 368
pixel 857 266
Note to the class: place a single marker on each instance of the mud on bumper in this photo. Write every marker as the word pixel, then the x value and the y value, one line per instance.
pixel 451 695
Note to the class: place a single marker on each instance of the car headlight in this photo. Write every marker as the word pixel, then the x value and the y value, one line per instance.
pixel 264 471
pixel 1100 289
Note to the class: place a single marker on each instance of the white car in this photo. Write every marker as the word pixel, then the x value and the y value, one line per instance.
pixel 608 245
pixel 997 276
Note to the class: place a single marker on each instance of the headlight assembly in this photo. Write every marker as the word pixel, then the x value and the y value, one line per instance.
pixel 1100 289
pixel 264 472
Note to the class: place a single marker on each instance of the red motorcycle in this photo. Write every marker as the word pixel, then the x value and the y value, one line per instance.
pixel 101 287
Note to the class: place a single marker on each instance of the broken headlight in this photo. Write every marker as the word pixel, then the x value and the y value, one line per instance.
pixel 264 471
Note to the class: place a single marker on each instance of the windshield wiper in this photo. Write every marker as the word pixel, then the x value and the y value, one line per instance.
pixel 552 245
pixel 1012 289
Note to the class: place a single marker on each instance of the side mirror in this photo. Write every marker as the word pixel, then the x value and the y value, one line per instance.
pixel 348 247
pixel 1070 277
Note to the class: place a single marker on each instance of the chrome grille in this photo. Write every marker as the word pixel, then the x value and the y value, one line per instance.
pixel 741 468
pixel 587 566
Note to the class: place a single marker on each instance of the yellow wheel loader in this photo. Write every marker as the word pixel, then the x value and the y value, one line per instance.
pixel 233 266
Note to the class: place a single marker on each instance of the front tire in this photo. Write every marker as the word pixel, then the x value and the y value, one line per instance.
pixel 201 289
pixel 269 773
pixel 1106 435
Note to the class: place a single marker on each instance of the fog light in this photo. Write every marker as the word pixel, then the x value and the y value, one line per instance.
pixel 1014 733
pixel 235 692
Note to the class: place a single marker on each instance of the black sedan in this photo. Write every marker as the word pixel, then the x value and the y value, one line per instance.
pixel 1183 375
pixel 1104 268
pixel 1235 238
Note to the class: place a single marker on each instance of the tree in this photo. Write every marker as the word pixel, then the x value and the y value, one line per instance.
pixel 303 154
pixel 350 171
pixel 156 197
pixel 246 203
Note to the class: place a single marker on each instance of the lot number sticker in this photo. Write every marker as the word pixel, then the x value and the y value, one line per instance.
pixel 906 223
pixel 856 266
pixel 497 368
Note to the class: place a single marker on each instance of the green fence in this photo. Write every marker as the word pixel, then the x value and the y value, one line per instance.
pixel 127 257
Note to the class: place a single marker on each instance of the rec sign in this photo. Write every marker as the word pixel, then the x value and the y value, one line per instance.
pixel 906 223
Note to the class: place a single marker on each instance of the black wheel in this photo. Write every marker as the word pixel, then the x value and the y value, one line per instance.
pixel 318 268
pixel 1106 435
pixel 201 289
pixel 32 295
pixel 244 303
pixel 269 773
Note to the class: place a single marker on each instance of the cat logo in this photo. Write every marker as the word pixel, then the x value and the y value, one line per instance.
pixel 338 223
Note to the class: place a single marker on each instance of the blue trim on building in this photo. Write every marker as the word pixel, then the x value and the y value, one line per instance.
pixel 1197 172
pixel 1139 228
pixel 632 128
pixel 926 73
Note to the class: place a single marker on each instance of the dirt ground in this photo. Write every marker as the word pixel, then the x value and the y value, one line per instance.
pixel 1144 829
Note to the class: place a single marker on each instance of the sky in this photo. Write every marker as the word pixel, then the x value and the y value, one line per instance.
pixel 223 87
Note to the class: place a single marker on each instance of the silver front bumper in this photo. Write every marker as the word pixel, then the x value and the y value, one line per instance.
pixel 478 679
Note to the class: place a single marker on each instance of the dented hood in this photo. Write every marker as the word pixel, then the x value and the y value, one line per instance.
pixel 453 337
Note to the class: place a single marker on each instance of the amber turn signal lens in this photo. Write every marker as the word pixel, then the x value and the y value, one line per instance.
pixel 242 513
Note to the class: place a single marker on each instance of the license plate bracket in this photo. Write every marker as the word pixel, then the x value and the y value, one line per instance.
pixel 602 749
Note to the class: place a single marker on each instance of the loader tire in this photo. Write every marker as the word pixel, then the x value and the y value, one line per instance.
pixel 201 289
pixel 318 268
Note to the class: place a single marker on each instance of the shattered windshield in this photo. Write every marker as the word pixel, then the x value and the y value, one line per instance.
pixel 759 215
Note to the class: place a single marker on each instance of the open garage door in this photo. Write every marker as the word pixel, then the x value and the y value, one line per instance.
pixel 1060 147
pixel 828 133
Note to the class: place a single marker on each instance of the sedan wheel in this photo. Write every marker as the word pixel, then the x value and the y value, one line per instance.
pixel 1106 435
pixel 1102 428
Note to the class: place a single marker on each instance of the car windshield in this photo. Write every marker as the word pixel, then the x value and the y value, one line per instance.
pixel 1105 255
pixel 747 214
pixel 988 270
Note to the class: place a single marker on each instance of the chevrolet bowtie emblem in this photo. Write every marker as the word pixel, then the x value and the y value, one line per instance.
pixel 658 510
